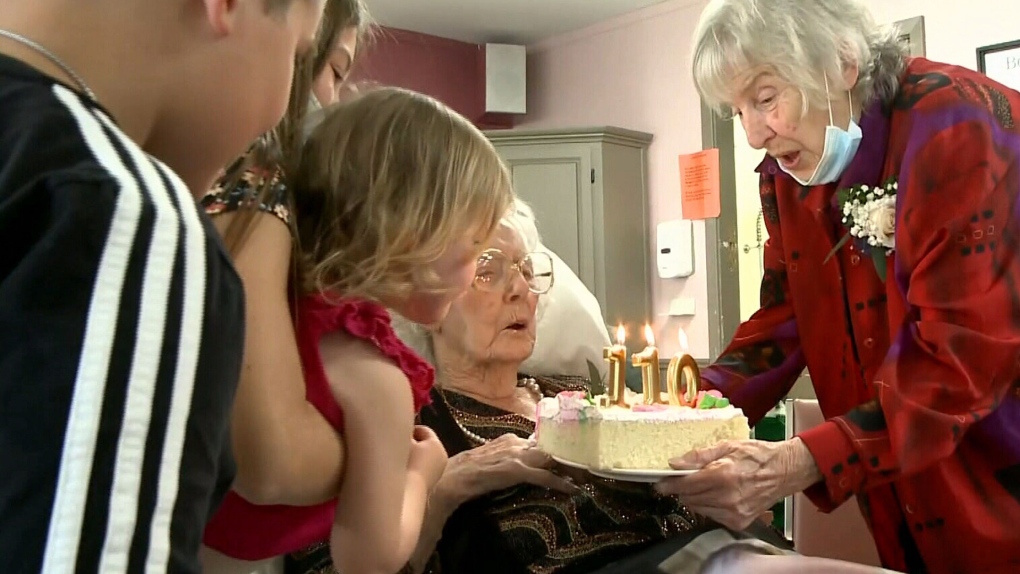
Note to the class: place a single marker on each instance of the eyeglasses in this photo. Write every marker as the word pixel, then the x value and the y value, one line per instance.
pixel 494 271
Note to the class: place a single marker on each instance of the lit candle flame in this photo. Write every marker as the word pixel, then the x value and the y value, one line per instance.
pixel 649 336
pixel 621 335
pixel 681 337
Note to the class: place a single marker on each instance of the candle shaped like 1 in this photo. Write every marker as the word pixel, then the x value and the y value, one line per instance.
pixel 648 361
pixel 682 365
pixel 617 357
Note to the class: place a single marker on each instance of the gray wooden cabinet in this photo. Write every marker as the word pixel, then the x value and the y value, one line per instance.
pixel 588 187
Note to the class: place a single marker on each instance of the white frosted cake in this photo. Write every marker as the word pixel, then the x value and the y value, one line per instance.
pixel 572 426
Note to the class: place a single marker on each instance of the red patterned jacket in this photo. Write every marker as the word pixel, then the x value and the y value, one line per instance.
pixel 918 375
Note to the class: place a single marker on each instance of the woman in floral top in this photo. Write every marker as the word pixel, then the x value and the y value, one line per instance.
pixel 286 451
pixel 910 328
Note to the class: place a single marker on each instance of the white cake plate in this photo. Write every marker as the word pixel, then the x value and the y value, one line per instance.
pixel 626 475
pixel 571 464
pixel 634 475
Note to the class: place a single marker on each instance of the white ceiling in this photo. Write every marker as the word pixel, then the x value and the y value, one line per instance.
pixel 498 21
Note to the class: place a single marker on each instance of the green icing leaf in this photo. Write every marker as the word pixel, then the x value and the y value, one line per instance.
pixel 712 402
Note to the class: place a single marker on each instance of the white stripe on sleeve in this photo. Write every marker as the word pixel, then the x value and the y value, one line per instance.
pixel 192 319
pixel 65 527
pixel 145 365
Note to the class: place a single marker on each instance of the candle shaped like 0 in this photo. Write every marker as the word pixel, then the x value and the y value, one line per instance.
pixel 648 361
pixel 617 357
pixel 682 365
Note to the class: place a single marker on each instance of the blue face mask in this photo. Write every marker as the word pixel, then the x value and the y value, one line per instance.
pixel 838 151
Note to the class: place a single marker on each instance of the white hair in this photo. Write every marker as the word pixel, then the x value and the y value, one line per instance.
pixel 803 41
pixel 521 220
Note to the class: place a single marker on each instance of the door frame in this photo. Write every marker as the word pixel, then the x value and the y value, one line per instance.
pixel 721 261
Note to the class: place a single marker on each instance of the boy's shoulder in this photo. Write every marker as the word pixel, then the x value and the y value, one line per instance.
pixel 45 130
pixel 114 287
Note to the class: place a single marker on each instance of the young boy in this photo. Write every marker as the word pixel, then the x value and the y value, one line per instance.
pixel 121 318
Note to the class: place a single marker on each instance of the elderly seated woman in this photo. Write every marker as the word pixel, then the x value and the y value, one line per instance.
pixel 502 506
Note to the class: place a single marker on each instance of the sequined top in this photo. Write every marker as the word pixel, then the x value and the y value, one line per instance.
pixel 531 529
pixel 230 195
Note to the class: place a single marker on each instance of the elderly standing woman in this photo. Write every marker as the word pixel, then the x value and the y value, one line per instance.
pixel 910 327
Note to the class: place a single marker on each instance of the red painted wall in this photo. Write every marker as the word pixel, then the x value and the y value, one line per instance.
pixel 451 71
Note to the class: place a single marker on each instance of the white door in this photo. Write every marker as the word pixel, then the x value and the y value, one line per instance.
pixel 751 232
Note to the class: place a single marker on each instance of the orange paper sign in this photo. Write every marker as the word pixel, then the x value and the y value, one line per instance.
pixel 699 184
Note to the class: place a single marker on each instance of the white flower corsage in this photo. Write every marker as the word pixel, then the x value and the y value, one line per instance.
pixel 869 213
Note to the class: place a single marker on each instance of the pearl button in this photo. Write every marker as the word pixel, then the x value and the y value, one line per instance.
pixel 869 342
pixel 855 259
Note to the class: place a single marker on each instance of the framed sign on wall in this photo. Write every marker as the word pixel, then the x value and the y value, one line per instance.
pixel 912 35
pixel 1001 62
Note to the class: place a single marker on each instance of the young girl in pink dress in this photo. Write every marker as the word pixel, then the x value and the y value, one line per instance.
pixel 393 199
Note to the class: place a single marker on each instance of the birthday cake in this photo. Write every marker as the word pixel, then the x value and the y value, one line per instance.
pixel 577 428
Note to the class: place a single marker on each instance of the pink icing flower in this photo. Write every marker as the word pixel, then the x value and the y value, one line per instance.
pixel 569 415
pixel 643 408
pixel 571 404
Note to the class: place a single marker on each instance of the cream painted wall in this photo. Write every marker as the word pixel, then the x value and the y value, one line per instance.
pixel 954 30
pixel 633 72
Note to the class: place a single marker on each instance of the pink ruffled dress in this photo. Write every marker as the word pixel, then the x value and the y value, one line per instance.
pixel 247 531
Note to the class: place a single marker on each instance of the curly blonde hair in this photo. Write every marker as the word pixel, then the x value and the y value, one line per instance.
pixel 387 183
pixel 520 219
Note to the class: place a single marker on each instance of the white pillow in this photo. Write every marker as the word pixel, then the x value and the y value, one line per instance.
pixel 571 330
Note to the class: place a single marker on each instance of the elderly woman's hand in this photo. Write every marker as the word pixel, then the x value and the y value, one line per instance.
pixel 501 463
pixel 738 481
